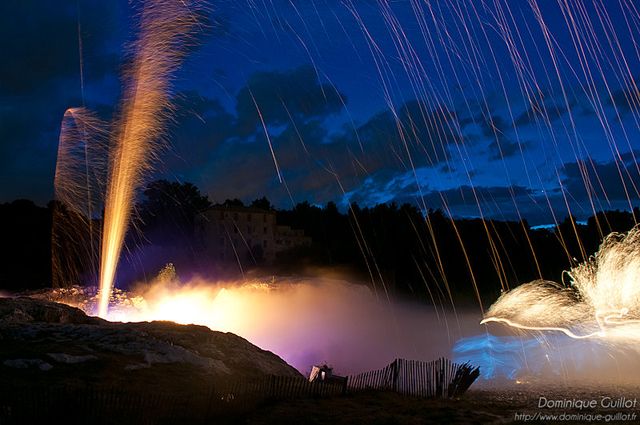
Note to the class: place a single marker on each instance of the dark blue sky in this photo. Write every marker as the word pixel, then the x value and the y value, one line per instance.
pixel 497 108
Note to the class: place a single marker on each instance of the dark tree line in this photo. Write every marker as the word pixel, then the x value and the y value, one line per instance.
pixel 394 247
pixel 25 234
pixel 432 257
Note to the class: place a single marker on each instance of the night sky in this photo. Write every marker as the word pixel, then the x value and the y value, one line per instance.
pixel 494 109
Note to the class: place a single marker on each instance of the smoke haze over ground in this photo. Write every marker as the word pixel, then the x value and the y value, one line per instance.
pixel 306 321
pixel 309 321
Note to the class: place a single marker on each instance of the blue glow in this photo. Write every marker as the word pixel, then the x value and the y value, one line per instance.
pixel 547 358
pixel 498 357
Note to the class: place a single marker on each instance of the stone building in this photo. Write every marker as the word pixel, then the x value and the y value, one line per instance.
pixel 231 234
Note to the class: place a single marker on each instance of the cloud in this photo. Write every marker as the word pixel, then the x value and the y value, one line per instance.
pixel 465 201
pixel 201 125
pixel 414 132
pixel 282 96
pixel 29 130
pixel 211 151
pixel 541 112
pixel 508 202
pixel 495 128
pixel 229 155
pixel 609 183
pixel 505 149
pixel 469 196
pixel 625 100
pixel 499 202
pixel 385 186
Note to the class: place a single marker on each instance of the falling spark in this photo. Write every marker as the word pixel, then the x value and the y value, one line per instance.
pixel 78 190
pixel 266 134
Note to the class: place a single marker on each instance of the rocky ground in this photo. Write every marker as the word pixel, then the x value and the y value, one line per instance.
pixel 55 344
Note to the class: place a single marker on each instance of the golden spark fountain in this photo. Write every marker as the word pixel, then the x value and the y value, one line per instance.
pixel 165 28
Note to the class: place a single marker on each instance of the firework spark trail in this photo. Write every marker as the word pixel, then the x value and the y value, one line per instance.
pixel 518 141
pixel 521 71
pixel 78 189
pixel 587 48
pixel 455 36
pixel 422 85
pixel 460 146
pixel 82 146
pixel 388 80
pixel 532 92
pixel 596 61
pixel 439 120
pixel 266 134
pixel 465 33
pixel 582 34
pixel 165 28
pixel 602 301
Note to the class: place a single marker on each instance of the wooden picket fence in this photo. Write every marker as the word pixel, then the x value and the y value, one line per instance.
pixel 224 399
pixel 435 379
pixel 119 405
pixel 440 378
pixel 278 388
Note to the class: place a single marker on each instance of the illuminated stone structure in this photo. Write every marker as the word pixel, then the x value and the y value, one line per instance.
pixel 247 235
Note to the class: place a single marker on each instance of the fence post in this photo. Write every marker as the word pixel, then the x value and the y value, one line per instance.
pixel 272 386
pixel 395 373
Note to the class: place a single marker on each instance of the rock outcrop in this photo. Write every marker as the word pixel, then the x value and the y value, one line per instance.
pixel 51 343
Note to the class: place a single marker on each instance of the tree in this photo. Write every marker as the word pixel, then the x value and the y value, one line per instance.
pixel 262 203
pixel 170 208
pixel 233 203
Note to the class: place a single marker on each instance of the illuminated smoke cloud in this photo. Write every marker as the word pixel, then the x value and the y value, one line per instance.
pixel 306 321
